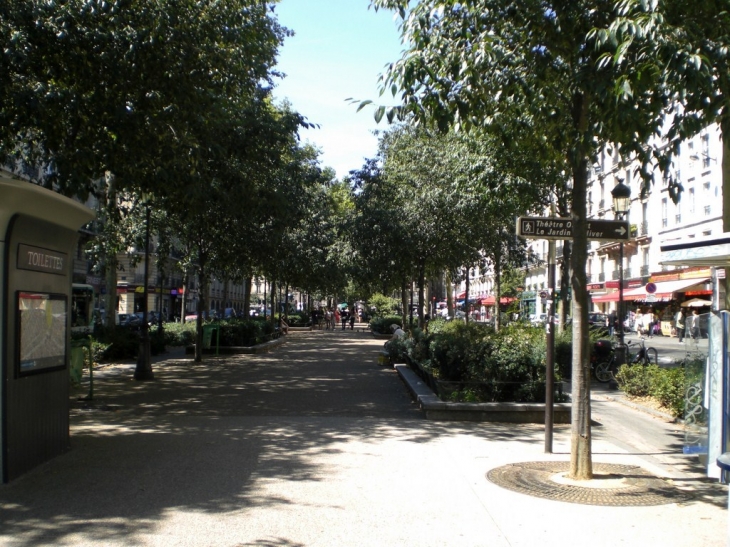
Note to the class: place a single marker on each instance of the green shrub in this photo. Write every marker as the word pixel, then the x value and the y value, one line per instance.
pixel 381 325
pixel 635 380
pixel 298 320
pixel 666 385
pixel 122 342
pixel 668 388
pixel 382 306
pixel 179 334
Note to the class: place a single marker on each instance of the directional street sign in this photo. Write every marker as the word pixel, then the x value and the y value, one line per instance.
pixel 562 228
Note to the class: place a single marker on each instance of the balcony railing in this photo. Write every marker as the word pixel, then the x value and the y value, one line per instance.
pixel 677 219
pixel 615 275
pixel 627 273
pixel 644 228
pixel 664 223
pixel 645 270
pixel 601 277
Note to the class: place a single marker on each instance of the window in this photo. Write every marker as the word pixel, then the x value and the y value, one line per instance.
pixel 705 150
pixel 707 210
pixel 664 212
pixel 691 201
pixel 706 186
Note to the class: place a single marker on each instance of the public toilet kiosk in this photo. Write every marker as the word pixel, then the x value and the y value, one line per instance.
pixel 38 235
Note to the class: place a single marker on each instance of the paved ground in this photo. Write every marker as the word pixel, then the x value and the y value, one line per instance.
pixel 316 445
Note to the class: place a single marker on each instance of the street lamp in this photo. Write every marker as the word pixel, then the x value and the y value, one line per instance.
pixel 621 195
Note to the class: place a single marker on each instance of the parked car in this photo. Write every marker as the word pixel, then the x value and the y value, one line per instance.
pixel 129 320
pixel 538 319
pixel 597 321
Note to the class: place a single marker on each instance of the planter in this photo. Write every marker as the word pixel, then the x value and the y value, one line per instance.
pixel 436 409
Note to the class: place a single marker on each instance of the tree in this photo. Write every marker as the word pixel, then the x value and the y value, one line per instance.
pixel 480 63
pixel 125 86
pixel 682 52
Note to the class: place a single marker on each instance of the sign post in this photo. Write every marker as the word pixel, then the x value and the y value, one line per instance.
pixel 562 228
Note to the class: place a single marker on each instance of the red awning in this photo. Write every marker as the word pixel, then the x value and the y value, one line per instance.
pixel 664 291
pixel 461 295
pixel 490 300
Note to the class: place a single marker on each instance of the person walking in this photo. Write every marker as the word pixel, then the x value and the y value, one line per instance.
pixel 611 323
pixel 679 325
pixel 693 325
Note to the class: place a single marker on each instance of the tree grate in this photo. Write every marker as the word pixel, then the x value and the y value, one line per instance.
pixel 634 486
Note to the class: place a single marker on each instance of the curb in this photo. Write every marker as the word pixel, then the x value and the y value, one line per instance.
pixel 642 408
pixel 436 409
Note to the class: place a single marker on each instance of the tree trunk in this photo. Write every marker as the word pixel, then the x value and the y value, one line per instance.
pixel 247 297
pixel 226 290
pixel 272 291
pixel 421 295
pixel 202 293
pixel 404 301
pixel 581 466
pixel 498 291
pixel 466 296
pixel 449 295
pixel 565 282
pixel 186 290
pixel 110 298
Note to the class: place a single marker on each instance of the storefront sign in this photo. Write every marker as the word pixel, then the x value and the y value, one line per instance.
pixel 38 259
pixel 595 286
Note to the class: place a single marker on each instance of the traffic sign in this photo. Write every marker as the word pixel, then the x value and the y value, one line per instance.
pixel 650 288
pixel 562 228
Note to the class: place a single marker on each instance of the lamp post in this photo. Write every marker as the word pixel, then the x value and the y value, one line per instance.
pixel 621 195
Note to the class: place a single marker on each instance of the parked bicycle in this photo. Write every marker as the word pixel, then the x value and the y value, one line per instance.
pixel 604 363
pixel 644 356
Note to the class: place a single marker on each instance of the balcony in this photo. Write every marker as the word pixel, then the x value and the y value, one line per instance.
pixel 615 275
pixel 644 271
pixel 678 219
pixel 601 277
pixel 644 228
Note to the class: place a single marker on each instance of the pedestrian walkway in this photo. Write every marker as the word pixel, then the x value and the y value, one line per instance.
pixel 316 445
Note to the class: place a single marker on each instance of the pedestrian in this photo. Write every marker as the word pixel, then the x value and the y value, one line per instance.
pixel 426 320
pixel 638 323
pixel 352 321
pixel 611 323
pixel 648 318
pixel 679 325
pixel 344 315
pixel 693 325
pixel 336 318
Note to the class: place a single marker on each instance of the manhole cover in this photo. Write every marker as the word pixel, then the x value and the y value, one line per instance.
pixel 613 484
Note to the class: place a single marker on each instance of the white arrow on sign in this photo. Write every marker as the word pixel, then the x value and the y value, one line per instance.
pixel 620 231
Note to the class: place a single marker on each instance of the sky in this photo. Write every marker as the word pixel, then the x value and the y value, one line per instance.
pixel 339 49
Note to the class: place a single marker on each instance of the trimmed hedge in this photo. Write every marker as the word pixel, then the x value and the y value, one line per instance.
pixel 381 325
pixel 472 362
pixel 666 385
